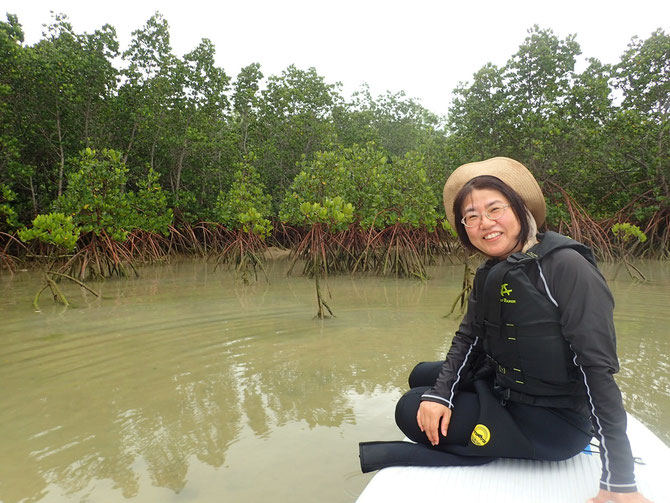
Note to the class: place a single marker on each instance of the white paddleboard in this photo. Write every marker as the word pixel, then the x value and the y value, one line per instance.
pixel 524 481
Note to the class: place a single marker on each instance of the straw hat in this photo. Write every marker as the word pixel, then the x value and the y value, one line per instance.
pixel 512 172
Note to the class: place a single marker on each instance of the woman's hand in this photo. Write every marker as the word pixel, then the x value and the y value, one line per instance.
pixel 608 496
pixel 428 418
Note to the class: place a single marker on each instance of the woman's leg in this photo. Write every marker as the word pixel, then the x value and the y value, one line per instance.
pixel 556 434
pixel 513 430
pixel 376 455
pixel 424 374
pixel 463 417
pixel 516 430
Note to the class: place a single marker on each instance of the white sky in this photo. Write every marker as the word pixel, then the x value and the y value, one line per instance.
pixel 424 47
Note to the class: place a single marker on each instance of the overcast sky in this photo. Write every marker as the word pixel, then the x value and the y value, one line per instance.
pixel 422 47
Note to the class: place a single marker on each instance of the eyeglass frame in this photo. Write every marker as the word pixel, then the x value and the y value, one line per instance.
pixel 486 213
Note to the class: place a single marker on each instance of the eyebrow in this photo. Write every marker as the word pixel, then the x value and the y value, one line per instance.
pixel 488 205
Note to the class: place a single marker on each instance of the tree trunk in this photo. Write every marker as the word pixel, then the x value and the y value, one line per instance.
pixel 87 121
pixel 180 167
pixel 130 144
pixel 153 154
pixel 660 175
pixel 32 195
pixel 61 167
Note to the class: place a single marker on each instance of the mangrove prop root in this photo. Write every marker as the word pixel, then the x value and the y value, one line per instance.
pixel 321 303
pixel 37 297
pixel 74 280
pixel 462 297
pixel 246 251
pixel 56 292
pixel 633 272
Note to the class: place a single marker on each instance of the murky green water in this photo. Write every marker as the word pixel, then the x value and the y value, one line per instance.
pixel 185 386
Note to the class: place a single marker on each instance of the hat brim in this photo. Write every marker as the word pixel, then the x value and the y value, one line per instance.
pixel 511 172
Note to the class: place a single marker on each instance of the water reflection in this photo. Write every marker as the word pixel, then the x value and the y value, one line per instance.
pixel 642 319
pixel 185 386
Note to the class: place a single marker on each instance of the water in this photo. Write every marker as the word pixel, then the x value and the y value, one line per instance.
pixel 184 385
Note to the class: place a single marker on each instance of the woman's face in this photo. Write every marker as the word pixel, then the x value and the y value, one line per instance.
pixel 495 238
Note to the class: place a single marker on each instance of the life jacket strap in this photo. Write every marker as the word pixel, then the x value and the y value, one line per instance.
pixel 509 395
pixel 513 373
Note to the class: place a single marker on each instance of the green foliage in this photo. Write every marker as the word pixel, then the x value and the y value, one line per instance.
pixel 625 231
pixel 245 206
pixel 408 196
pixel 173 115
pixel 447 227
pixel 149 207
pixel 7 214
pixel 253 221
pixel 246 100
pixel 97 199
pixel 335 213
pixel 557 213
pixel 13 173
pixel 522 109
pixel 396 122
pixel 382 192
pixel 628 236
pixel 642 124
pixel 644 74
pixel 186 206
pixel 95 196
pixel 294 122
pixel 64 81
pixel 185 119
pixel 54 229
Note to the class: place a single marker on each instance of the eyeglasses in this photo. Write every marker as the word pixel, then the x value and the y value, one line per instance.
pixel 474 219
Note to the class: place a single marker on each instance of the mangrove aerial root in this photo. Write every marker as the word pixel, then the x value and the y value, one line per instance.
pixel 56 292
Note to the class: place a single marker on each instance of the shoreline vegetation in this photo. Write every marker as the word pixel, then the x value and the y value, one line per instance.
pixel 105 167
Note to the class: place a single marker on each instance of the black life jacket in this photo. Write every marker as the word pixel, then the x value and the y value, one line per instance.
pixel 521 330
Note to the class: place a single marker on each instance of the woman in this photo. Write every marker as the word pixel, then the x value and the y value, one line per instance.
pixel 530 371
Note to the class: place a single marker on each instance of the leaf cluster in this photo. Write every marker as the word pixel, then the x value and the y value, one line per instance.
pixel 245 205
pixel 149 206
pixel 54 229
pixel 95 195
pixel 383 190
pixel 8 217
pixel 97 200
pixel 334 213
pixel 625 231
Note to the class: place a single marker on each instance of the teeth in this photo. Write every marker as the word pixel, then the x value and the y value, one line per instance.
pixel 492 235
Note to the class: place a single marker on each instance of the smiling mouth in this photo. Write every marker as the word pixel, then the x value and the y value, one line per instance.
pixel 492 235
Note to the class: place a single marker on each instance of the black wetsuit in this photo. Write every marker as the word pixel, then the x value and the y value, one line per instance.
pixel 586 305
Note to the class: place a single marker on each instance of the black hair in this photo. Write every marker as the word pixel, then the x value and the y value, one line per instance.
pixel 493 183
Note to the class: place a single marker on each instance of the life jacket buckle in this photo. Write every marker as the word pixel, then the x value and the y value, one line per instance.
pixel 503 393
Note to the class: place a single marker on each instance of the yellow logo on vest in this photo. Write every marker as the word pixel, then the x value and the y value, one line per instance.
pixel 506 291
pixel 480 435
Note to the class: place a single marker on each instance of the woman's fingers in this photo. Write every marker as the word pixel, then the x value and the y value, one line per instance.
pixel 446 418
pixel 428 420
pixel 610 497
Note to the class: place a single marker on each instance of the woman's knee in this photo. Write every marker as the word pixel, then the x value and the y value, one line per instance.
pixel 405 414
pixel 463 417
pixel 424 374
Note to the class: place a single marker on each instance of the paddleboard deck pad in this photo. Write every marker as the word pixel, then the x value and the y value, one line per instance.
pixel 524 481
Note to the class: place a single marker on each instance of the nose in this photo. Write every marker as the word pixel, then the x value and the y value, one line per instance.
pixel 486 222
